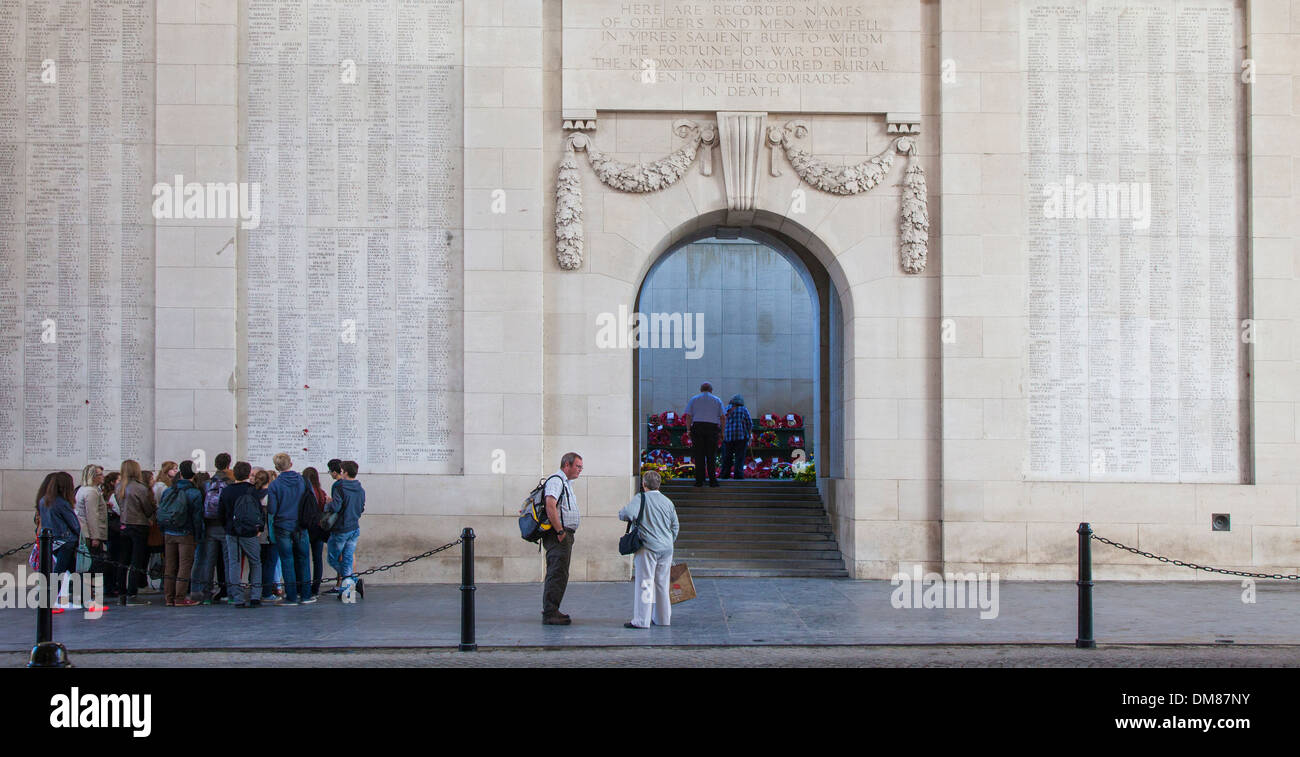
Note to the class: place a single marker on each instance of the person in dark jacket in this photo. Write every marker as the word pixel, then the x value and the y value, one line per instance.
pixel 317 535
pixel 349 501
pixel 179 539
pixel 291 543
pixel 261 480
pixel 236 544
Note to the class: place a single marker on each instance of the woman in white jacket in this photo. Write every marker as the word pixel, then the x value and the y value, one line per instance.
pixel 659 528
pixel 92 511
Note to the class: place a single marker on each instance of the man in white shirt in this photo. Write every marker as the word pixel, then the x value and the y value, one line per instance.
pixel 704 413
pixel 562 513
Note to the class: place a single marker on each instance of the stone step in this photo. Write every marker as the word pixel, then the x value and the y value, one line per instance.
pixel 750 512
pixel 792 555
pixel 746 544
pixel 732 526
pixel 745 498
pixel 712 567
pixel 767 573
pixel 755 535
pixel 755 528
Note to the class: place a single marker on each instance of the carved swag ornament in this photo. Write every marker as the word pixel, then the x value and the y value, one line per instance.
pixel 914 215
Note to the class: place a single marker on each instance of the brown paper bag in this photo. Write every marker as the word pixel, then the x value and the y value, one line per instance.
pixel 680 585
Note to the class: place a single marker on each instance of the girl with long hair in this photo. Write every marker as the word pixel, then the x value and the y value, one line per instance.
pixel 92 512
pixel 54 505
pixel 316 535
pixel 137 505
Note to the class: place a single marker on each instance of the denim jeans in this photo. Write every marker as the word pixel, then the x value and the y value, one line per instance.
pixel 342 546
pixel 248 546
pixel 733 459
pixel 208 553
pixel 293 547
pixel 270 560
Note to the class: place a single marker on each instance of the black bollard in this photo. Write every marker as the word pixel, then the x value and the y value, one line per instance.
pixel 46 653
pixel 1085 640
pixel 467 590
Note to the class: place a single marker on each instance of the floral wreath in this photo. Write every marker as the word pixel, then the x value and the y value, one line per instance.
pixel 767 439
pixel 793 422
pixel 796 441
pixel 660 437
pixel 659 456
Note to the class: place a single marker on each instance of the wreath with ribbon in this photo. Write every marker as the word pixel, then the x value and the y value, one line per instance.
pixel 659 456
pixel 660 437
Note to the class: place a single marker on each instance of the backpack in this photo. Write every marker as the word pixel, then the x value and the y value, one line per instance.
pixel 212 498
pixel 173 513
pixel 533 523
pixel 309 514
pixel 246 520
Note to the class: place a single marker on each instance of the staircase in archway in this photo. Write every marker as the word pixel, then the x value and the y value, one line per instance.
pixel 754 528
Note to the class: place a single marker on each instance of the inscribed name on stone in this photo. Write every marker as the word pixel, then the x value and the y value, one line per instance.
pixel 831 56
pixel 352 313
pixel 1134 148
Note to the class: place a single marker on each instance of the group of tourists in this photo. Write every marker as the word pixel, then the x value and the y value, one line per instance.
pixel 224 536
pixel 244 535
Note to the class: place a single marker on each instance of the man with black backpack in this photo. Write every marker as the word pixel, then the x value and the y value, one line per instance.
pixel 180 516
pixel 563 515
pixel 209 554
pixel 241 512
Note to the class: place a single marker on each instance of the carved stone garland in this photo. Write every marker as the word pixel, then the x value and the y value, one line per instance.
pixel 914 216
pixel 615 174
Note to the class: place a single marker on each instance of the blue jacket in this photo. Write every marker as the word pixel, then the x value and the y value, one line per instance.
pixel 350 498
pixel 61 519
pixel 282 498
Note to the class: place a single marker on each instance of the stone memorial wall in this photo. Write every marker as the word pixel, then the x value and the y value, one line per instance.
pixel 353 129
pixel 76 232
pixel 1135 156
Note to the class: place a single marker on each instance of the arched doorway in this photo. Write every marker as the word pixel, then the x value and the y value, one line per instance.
pixel 753 313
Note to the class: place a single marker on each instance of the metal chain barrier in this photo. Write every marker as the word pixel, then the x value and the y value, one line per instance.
pixel 16 550
pixel 1194 566
pixel 244 585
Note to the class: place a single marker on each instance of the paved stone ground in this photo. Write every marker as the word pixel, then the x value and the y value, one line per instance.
pixel 931 656
pixel 728 612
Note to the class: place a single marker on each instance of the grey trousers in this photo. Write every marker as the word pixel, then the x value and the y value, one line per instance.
pixel 250 548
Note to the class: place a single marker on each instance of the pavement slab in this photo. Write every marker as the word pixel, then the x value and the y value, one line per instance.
pixel 728 612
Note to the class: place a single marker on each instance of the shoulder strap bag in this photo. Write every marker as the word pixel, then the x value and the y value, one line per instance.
pixel 630 541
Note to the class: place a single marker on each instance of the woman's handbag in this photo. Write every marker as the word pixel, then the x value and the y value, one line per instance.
pixel 630 541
